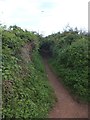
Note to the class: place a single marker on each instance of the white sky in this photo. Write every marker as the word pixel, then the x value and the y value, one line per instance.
pixel 44 16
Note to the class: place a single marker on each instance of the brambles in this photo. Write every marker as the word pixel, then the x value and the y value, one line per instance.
pixel 70 61
pixel 26 92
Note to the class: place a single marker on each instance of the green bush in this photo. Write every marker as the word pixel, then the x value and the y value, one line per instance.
pixel 26 91
pixel 70 61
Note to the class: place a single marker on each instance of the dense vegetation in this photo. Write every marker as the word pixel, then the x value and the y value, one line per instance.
pixel 26 92
pixel 70 60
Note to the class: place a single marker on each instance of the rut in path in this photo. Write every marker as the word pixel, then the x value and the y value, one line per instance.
pixel 66 106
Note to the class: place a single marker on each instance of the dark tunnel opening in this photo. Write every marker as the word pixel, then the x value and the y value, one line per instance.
pixel 45 49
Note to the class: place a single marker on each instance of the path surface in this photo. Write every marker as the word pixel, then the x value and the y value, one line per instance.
pixel 65 106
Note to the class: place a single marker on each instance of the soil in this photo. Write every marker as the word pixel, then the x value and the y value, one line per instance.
pixel 25 52
pixel 66 106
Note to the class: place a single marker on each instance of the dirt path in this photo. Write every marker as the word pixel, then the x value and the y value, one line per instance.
pixel 65 107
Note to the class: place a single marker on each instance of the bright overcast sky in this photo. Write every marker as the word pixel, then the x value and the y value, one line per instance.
pixel 44 16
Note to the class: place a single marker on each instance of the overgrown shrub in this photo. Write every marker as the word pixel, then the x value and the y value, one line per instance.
pixel 70 61
pixel 26 92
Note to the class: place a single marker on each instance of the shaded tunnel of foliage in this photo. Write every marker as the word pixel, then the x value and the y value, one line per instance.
pixel 45 49
pixel 26 91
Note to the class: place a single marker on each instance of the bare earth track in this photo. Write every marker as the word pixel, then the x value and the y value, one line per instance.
pixel 66 106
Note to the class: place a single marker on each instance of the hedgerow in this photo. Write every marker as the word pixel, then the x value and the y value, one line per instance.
pixel 26 92
pixel 70 61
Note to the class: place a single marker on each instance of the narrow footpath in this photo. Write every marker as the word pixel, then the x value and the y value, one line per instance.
pixel 66 106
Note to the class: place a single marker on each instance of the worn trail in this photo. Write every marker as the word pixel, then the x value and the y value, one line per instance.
pixel 66 106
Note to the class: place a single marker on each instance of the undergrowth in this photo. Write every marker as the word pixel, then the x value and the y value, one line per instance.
pixel 70 62
pixel 26 91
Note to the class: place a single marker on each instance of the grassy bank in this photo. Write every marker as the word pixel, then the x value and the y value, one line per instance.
pixel 70 62
pixel 26 91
